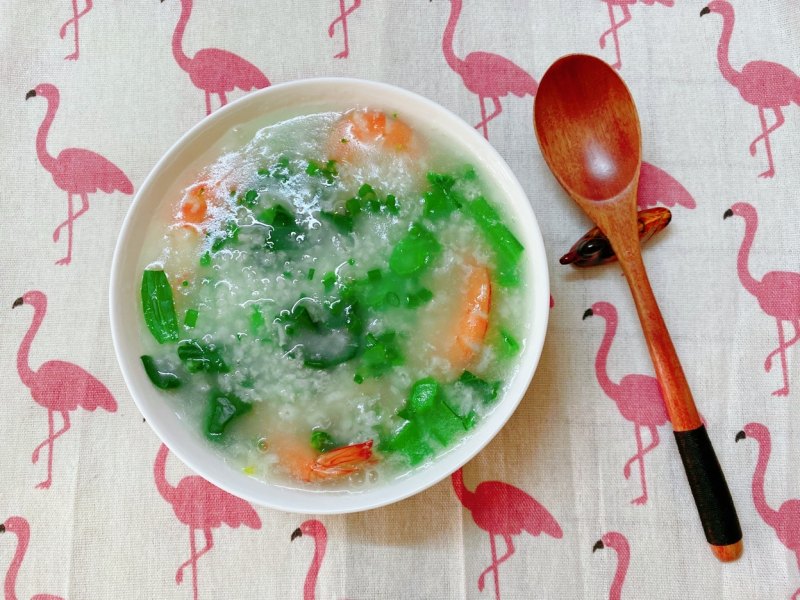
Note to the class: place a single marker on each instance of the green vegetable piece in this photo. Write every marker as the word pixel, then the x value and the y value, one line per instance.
pixel 160 378
pixel 250 198
pixel 331 336
pixel 222 409
pixel 366 193
pixel 409 440
pixel 230 236
pixel 322 441
pixel 415 251
pixel 418 298
pixel 441 200
pixel 310 275
pixel 327 171
pixel 285 232
pixel 352 206
pixel 380 355
pixel 381 290
pixel 424 394
pixel 442 180
pixel 282 170
pixel 256 320
pixel 507 248
pixel 509 346
pixel 426 407
pixel 469 173
pixel 391 204
pixel 205 259
pixel 263 172
pixel 442 423
pixel 470 420
pixel 487 391
pixel 329 280
pixel 158 307
pixel 184 283
pixel 343 223
pixel 358 379
pixel 190 320
pixel 198 356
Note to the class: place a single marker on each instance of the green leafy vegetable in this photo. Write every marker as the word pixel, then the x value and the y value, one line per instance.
pixel 414 252
pixel 286 233
pixel 322 441
pixel 190 320
pixel 409 440
pixel 509 346
pixel 158 307
pixel 380 355
pixel 507 248
pixel 229 237
pixel 256 320
pixel 343 223
pixel 250 199
pixel 326 338
pixel 486 391
pixel 161 378
pixel 441 200
pixel 198 356
pixel 222 409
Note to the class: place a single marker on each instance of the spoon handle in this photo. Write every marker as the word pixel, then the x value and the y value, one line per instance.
pixel 706 480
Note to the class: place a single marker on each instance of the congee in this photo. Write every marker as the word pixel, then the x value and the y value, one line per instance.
pixel 333 301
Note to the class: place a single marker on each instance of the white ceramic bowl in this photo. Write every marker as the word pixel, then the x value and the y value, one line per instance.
pixel 302 97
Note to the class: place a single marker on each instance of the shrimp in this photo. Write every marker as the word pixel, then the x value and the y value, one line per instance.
pixel 184 238
pixel 473 319
pixel 362 130
pixel 194 207
pixel 302 462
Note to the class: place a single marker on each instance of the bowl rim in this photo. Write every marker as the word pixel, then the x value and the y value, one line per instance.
pixel 448 461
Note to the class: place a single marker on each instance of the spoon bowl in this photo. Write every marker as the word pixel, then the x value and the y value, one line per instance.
pixel 587 124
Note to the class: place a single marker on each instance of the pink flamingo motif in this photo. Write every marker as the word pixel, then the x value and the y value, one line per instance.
pixel 778 292
pixel 626 17
pixel 342 18
pixel 20 527
pixel 57 386
pixel 657 186
pixel 502 509
pixel 317 531
pixel 213 70
pixel 619 543
pixel 74 22
pixel 77 171
pixel 201 506
pixel 487 75
pixel 766 85
pixel 638 397
pixel 786 520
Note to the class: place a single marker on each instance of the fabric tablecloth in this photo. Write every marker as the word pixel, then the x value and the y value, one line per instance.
pixel 728 289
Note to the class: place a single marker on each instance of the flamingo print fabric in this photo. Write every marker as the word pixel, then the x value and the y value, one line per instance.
pixel 582 495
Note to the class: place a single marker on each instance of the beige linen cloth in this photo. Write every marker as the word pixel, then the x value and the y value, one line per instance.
pixel 102 530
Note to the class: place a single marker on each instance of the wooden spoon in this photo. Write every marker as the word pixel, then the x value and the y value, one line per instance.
pixel 588 130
